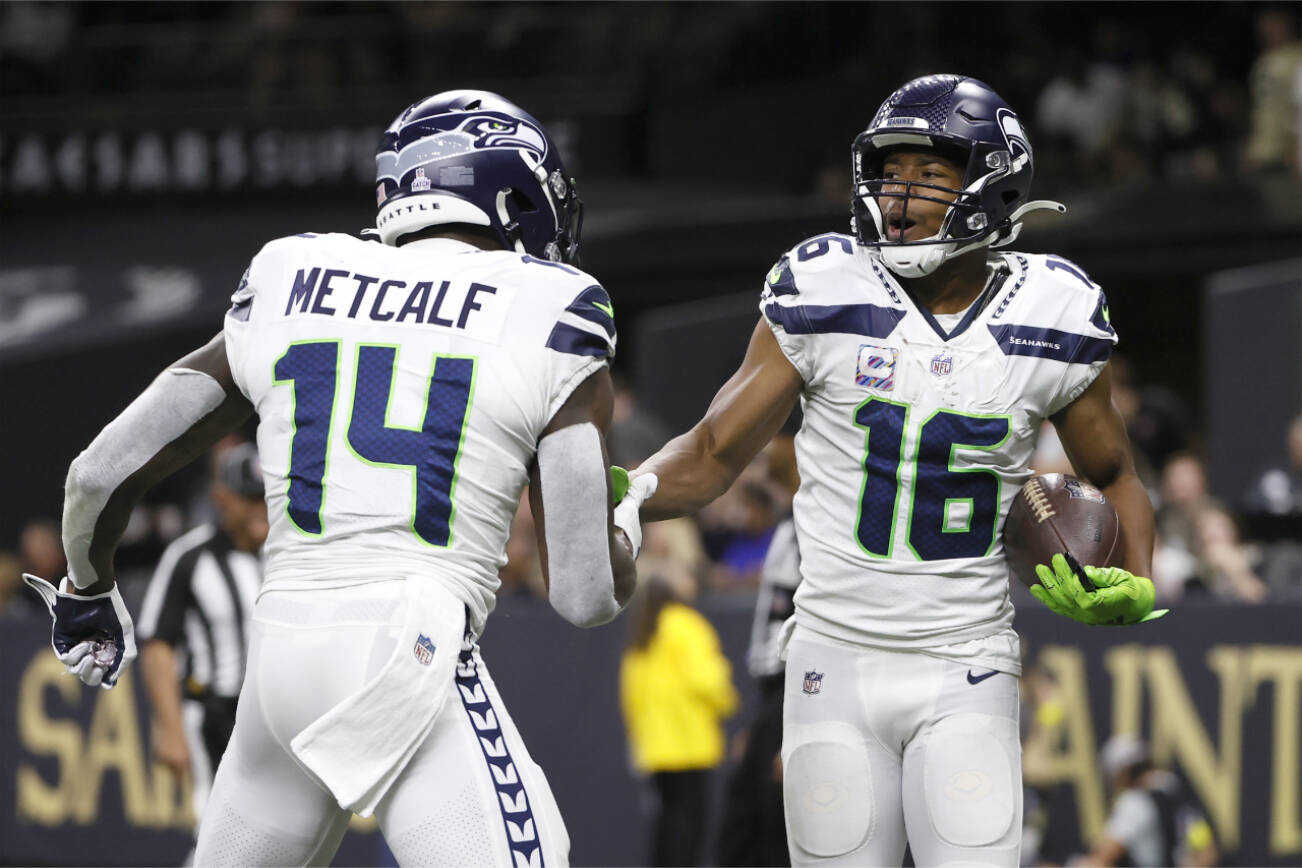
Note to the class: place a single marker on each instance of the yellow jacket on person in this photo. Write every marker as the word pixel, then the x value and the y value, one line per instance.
pixel 675 692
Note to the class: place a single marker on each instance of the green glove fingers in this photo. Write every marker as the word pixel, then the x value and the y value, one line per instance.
pixel 1047 599
pixel 1052 593
pixel 1119 597
pixel 1126 597
pixel 618 483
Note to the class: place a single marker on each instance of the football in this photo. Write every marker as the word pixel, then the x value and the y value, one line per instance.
pixel 1054 514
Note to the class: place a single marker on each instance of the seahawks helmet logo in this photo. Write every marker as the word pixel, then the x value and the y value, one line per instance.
pixel 1014 135
pixel 478 131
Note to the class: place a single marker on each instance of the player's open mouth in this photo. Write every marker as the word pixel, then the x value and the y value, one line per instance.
pixel 896 227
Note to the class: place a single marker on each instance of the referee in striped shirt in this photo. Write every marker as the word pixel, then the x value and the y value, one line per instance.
pixel 193 626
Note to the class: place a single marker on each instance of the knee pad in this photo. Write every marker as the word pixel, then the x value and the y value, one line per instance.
pixel 827 788
pixel 969 781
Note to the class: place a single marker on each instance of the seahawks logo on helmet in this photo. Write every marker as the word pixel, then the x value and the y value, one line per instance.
pixel 477 132
pixel 1014 135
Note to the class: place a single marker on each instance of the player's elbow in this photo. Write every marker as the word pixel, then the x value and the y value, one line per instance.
pixel 84 484
pixel 586 600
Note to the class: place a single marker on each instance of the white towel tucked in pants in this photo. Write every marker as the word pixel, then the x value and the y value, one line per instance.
pixel 469 794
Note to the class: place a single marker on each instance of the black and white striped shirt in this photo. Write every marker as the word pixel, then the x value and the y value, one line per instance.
pixel 199 601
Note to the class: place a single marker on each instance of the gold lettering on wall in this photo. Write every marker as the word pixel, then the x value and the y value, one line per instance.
pixel 113 742
pixel 1178 734
pixel 1282 667
pixel 39 801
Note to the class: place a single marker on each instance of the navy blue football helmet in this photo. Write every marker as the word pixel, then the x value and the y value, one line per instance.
pixel 470 156
pixel 965 120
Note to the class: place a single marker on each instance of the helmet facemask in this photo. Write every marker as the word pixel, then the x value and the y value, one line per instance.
pixel 966 225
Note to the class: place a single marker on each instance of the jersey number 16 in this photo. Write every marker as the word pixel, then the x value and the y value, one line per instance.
pixel 952 512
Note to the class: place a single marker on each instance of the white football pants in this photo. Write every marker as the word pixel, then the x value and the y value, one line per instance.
pixel 311 650
pixel 880 747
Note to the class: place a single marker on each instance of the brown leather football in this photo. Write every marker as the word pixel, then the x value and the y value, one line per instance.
pixel 1060 514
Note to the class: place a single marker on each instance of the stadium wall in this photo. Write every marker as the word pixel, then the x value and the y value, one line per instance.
pixel 1217 690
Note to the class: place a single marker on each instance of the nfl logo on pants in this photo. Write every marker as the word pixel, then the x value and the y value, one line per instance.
pixel 813 682
pixel 424 650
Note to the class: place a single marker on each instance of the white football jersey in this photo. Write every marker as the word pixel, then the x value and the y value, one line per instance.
pixel 914 444
pixel 400 394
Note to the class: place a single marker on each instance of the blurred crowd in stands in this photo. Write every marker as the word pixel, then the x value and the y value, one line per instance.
pixel 1130 97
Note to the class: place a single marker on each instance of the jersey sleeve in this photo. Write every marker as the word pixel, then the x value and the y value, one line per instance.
pixel 581 340
pixel 1088 338
pixel 780 307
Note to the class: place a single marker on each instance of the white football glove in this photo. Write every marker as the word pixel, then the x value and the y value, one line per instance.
pixel 92 636
pixel 626 511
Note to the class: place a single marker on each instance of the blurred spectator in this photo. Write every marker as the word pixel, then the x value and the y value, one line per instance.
pixel 1082 105
pixel 1199 545
pixel 738 527
pixel 753 831
pixel 675 690
pixel 1278 490
pixel 40 546
pixel 1225 564
pixel 635 433
pixel 1157 420
pixel 1183 496
pixel 1273 516
pixel 1273 142
pixel 13 602
pixel 1151 822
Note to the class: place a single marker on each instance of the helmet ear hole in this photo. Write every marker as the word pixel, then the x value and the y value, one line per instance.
pixel 1010 196
pixel 523 204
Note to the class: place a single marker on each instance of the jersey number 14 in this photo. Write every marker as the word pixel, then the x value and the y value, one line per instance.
pixel 953 512
pixel 431 451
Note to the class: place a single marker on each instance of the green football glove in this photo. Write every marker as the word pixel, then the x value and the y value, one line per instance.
pixel 618 483
pixel 1119 597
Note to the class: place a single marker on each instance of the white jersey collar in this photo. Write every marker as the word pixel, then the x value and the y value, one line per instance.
pixel 440 245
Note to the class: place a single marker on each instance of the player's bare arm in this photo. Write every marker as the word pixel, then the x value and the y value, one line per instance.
pixel 184 412
pixel 696 467
pixel 1094 437
pixel 158 665
pixel 589 572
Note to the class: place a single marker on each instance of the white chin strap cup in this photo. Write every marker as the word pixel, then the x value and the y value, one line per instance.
pixel 922 259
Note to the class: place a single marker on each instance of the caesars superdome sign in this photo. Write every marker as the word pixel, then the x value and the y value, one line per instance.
pixel 145 162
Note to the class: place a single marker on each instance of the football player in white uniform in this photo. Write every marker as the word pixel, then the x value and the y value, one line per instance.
pixel 406 392
pixel 924 364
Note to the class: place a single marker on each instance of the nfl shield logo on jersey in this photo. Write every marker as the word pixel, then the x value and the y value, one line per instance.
pixel 942 364
pixel 813 682
pixel 424 650
pixel 876 367
pixel 420 182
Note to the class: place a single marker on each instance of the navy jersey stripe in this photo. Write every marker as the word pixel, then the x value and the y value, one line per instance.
pixel 1042 343
pixel 578 342
pixel 522 831
pixel 593 304
pixel 868 320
